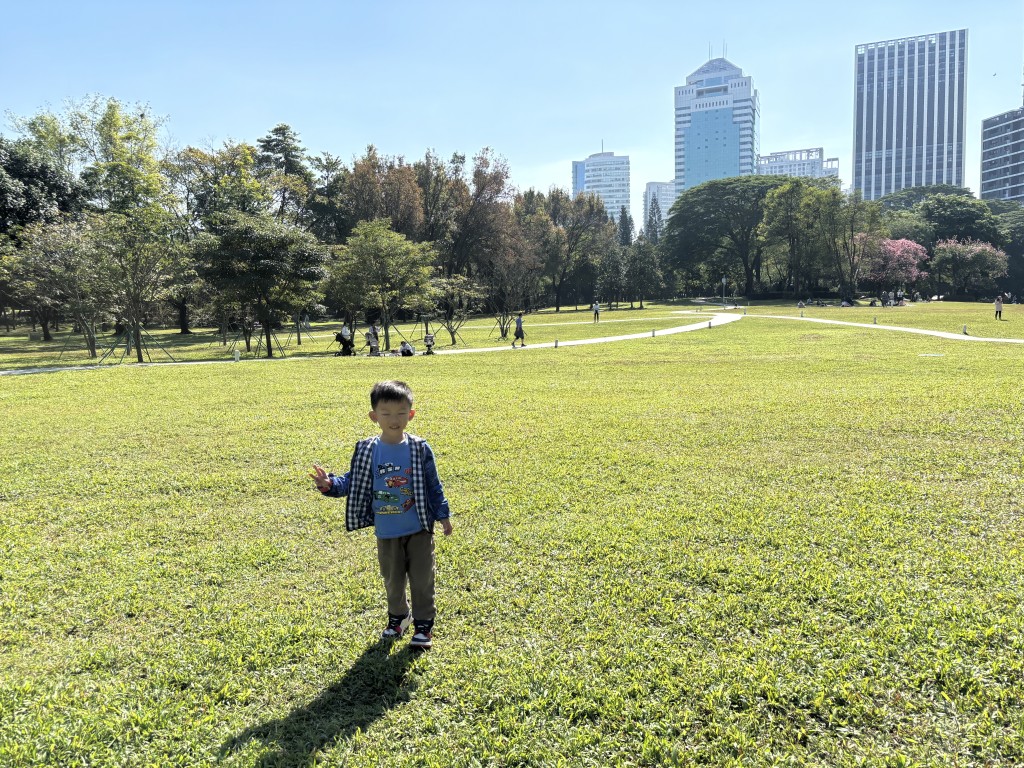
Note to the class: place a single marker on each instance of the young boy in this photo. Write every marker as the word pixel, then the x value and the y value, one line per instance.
pixel 393 485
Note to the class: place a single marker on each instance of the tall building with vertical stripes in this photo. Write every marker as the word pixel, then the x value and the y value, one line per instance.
pixel 908 126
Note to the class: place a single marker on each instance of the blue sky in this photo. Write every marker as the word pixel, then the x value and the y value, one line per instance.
pixel 541 83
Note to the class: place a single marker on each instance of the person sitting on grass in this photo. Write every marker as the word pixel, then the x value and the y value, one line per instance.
pixel 393 486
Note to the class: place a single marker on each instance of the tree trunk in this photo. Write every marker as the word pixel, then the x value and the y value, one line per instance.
pixel 269 335
pixel 45 323
pixel 136 333
pixel 183 317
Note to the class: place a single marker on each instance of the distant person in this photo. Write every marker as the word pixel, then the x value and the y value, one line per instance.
pixel 800 304
pixel 405 349
pixel 597 311
pixel 393 486
pixel 999 306
pixel 520 334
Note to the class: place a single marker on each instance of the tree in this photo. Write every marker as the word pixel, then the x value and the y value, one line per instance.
pixel 968 265
pixel 849 229
pixel 959 217
pixel 385 187
pixel 266 265
pixel 63 266
pixel 625 227
pixel 910 225
pixel 481 224
pixel 785 223
pixel 721 218
pixel 328 215
pixel 568 233
pixel 33 187
pixel 143 250
pixel 1011 227
pixel 909 197
pixel 282 161
pixel 643 270
pixel 393 272
pixel 897 263
pixel 655 223
pixel 456 298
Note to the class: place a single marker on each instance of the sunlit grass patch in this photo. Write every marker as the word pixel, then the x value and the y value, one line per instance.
pixel 738 546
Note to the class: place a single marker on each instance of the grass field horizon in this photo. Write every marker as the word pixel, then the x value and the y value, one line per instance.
pixel 768 543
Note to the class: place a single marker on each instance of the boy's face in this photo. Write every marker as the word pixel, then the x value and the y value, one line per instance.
pixel 392 416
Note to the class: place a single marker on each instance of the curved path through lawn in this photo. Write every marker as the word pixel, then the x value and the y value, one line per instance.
pixel 709 319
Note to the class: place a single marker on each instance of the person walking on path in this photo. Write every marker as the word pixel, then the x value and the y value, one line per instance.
pixel 520 333
pixel 597 311
pixel 999 306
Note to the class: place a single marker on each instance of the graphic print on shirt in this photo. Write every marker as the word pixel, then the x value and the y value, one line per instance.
pixel 394 506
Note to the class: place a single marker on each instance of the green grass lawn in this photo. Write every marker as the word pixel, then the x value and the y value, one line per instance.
pixel 948 316
pixel 768 543
pixel 17 351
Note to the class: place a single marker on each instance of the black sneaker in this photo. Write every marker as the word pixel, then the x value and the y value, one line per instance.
pixel 396 626
pixel 424 634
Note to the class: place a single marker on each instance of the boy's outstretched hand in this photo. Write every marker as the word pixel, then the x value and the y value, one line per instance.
pixel 321 478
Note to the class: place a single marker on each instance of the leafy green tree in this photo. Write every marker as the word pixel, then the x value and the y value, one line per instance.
pixel 119 146
pixel 721 218
pixel 1011 228
pixel 910 225
pixel 33 187
pixel 392 272
pixel 285 169
pixel 968 266
pixel 265 264
pixel 385 187
pixel 328 215
pixel 481 222
pixel 960 217
pixel 785 223
pixel 643 276
pixel 143 250
pixel 570 232
pixel 908 198
pixel 848 227
pixel 60 265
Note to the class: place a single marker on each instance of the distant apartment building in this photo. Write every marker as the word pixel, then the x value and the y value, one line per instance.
pixel 662 191
pixel 717 125
pixel 909 113
pixel 810 163
pixel 1002 156
pixel 604 174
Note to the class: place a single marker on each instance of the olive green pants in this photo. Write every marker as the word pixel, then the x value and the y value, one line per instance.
pixel 409 560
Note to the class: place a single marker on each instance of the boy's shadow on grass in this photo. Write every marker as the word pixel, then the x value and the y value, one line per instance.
pixel 375 683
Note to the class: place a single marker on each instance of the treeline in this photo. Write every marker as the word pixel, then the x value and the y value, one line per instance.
pixel 775 235
pixel 99 225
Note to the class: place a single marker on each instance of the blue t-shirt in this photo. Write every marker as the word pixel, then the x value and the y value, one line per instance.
pixel 394 508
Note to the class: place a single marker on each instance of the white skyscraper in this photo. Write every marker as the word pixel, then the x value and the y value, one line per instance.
pixel 717 124
pixel 604 174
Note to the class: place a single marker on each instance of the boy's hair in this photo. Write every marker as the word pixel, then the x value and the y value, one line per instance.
pixel 390 392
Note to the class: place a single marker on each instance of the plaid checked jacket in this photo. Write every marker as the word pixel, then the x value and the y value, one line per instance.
pixel 357 485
